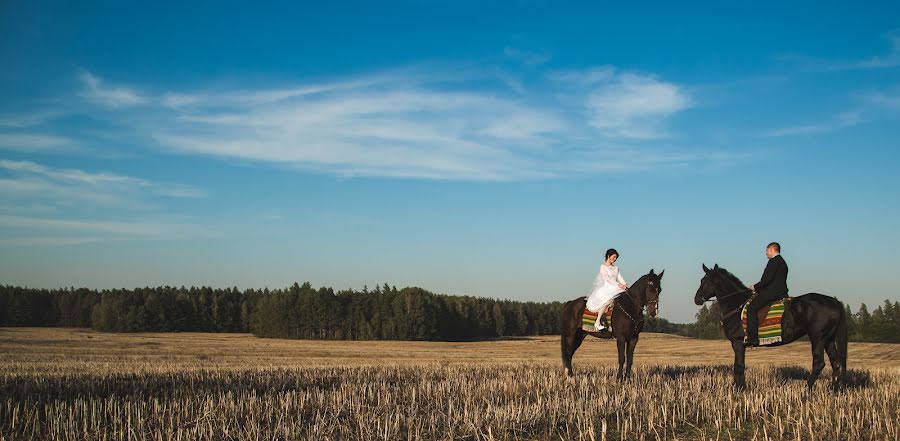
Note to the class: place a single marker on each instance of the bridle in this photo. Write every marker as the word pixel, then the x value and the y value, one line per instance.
pixel 728 315
pixel 634 321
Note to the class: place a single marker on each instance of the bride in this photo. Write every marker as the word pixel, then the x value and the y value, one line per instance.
pixel 607 286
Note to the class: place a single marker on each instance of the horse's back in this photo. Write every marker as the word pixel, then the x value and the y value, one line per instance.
pixel 817 301
pixel 571 312
pixel 575 304
pixel 814 311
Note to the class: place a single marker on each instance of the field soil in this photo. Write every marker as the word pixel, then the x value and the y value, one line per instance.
pixel 76 384
pixel 45 349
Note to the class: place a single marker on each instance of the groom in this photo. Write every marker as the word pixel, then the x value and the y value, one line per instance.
pixel 771 287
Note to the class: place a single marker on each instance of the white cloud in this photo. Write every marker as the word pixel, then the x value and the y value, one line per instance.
pixel 419 128
pixel 407 123
pixel 26 183
pixel 890 98
pixel 46 206
pixel 892 59
pixel 97 91
pixel 383 131
pixel 888 60
pixel 839 121
pixel 111 228
pixel 31 241
pixel 24 120
pixel 33 142
pixel 633 106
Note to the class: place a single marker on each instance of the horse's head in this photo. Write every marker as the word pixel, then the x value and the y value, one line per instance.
pixel 711 283
pixel 652 288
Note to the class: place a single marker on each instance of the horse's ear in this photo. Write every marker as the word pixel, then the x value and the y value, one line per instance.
pixel 716 267
pixel 651 271
pixel 661 274
pixel 705 269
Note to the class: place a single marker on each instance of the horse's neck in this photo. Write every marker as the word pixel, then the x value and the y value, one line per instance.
pixel 634 294
pixel 734 299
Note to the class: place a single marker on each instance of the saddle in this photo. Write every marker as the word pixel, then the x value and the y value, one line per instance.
pixel 762 313
pixel 770 320
pixel 588 319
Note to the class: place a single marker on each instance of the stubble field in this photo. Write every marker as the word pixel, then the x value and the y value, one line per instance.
pixel 79 384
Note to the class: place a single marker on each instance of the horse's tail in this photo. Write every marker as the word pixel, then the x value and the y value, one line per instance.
pixel 567 337
pixel 841 336
pixel 564 337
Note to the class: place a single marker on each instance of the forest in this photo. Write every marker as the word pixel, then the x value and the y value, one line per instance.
pixel 304 312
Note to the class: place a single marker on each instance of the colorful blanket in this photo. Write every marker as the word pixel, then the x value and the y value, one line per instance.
pixel 588 319
pixel 769 322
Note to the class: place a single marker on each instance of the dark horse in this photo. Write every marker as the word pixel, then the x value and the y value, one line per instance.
pixel 820 317
pixel 627 321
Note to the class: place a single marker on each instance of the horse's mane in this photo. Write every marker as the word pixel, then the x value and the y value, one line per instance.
pixel 731 277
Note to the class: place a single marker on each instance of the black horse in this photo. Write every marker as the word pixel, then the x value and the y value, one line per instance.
pixel 820 317
pixel 627 321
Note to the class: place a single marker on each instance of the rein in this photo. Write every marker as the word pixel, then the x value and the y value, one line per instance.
pixel 634 322
pixel 728 315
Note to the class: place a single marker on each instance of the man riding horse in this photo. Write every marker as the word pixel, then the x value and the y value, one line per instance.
pixel 772 286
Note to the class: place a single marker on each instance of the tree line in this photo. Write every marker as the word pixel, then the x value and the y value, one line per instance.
pixel 301 311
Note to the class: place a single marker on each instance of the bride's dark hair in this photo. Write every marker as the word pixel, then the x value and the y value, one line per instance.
pixel 610 252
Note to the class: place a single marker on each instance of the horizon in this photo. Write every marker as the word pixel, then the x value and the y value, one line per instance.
pixel 467 149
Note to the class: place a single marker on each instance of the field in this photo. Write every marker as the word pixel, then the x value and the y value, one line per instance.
pixel 79 384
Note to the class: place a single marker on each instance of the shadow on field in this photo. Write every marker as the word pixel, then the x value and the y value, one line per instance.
pixel 855 379
pixel 673 372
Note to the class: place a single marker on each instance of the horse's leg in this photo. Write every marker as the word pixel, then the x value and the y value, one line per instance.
pixel 739 380
pixel 818 353
pixel 630 355
pixel 579 338
pixel 837 368
pixel 620 345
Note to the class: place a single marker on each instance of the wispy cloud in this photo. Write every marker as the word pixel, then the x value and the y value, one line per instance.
pixel 33 142
pixel 839 121
pixel 46 206
pixel 47 241
pixel 407 124
pixel 24 120
pixel 94 184
pixel 527 57
pixel 888 60
pixel 634 106
pixel 892 59
pixel 112 96
pixel 883 98
pixel 23 230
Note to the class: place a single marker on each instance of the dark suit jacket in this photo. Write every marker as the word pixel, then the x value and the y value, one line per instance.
pixel 773 284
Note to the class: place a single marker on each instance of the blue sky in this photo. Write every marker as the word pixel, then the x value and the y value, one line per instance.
pixel 495 150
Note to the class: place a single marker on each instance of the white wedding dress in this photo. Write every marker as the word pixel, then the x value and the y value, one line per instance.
pixel 605 289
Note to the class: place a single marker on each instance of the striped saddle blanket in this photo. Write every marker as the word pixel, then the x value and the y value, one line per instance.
pixel 588 319
pixel 770 317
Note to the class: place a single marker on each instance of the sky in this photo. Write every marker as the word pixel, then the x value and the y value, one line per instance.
pixel 474 148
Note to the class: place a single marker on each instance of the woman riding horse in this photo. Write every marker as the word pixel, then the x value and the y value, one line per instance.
pixel 627 322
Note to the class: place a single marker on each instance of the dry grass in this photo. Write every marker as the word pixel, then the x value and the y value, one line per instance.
pixel 78 384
